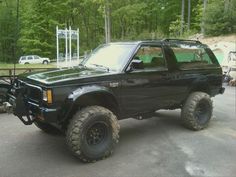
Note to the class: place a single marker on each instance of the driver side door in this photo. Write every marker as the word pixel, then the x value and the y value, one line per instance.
pixel 146 89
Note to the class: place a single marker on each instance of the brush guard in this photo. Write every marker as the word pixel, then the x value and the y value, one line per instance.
pixel 21 110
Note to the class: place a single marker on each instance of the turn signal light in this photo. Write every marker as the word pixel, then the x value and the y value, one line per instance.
pixel 47 96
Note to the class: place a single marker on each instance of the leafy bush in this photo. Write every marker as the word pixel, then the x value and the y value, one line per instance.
pixel 220 17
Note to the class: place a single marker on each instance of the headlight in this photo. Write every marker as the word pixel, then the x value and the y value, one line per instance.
pixel 47 96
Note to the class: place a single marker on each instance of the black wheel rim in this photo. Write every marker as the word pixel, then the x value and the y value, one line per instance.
pixel 202 112
pixel 96 133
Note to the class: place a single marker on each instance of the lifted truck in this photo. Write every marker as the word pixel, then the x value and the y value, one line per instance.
pixel 118 81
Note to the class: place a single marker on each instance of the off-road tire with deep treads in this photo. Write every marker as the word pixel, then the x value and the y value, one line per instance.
pixel 47 128
pixel 83 122
pixel 197 111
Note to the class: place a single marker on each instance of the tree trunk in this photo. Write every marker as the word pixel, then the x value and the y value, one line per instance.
pixel 107 22
pixel 227 2
pixel 203 14
pixel 105 18
pixel 189 14
pixel 182 18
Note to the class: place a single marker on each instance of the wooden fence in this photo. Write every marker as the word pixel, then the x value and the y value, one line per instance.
pixel 8 74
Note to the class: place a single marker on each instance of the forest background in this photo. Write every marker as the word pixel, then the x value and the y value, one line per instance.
pixel 29 26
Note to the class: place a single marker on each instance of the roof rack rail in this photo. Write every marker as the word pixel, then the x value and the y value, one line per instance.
pixel 182 40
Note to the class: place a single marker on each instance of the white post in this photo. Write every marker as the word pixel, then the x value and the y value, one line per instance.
pixel 78 44
pixel 70 45
pixel 57 47
pixel 66 52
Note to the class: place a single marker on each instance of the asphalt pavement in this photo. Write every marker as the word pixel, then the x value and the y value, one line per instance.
pixel 153 147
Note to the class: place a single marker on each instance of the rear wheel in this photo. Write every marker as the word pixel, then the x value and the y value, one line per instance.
pixel 92 133
pixel 45 62
pixel 47 128
pixel 197 111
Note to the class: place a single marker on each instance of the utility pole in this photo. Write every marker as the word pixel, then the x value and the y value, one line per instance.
pixel 189 14
pixel 203 14
pixel 182 18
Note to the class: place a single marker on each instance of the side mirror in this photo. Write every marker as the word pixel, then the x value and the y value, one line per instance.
pixel 135 64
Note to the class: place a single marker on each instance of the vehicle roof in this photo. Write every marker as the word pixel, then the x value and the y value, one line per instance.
pixel 158 41
pixel 28 55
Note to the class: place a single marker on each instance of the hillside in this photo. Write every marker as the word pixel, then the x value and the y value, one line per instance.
pixel 221 46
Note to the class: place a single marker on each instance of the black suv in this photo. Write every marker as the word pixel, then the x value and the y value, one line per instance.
pixel 118 81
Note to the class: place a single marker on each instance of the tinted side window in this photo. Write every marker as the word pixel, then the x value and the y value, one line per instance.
pixel 152 57
pixel 30 57
pixel 191 56
pixel 23 58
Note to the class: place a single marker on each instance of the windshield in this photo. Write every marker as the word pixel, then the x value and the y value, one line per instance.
pixel 110 56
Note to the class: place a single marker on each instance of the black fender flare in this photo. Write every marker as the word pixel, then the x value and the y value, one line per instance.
pixel 200 84
pixel 82 94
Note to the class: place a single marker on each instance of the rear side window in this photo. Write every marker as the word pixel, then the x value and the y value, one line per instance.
pixel 191 56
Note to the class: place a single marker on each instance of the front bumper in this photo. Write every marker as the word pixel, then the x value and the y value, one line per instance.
pixel 28 111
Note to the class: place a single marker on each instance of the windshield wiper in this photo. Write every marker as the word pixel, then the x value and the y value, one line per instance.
pixel 101 66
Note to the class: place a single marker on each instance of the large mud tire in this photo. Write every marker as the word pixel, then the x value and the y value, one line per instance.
pixel 197 111
pixel 92 133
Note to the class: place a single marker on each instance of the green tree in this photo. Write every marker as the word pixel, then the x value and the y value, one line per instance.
pixel 129 20
pixel 7 31
pixel 219 19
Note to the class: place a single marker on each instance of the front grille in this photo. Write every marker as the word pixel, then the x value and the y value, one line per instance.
pixel 33 93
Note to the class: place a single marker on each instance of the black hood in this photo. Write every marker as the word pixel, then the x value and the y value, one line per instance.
pixel 60 75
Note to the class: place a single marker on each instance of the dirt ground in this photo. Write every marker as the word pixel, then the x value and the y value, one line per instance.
pixel 214 40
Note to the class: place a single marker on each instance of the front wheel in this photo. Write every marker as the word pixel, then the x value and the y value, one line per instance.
pixel 197 111
pixel 92 133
